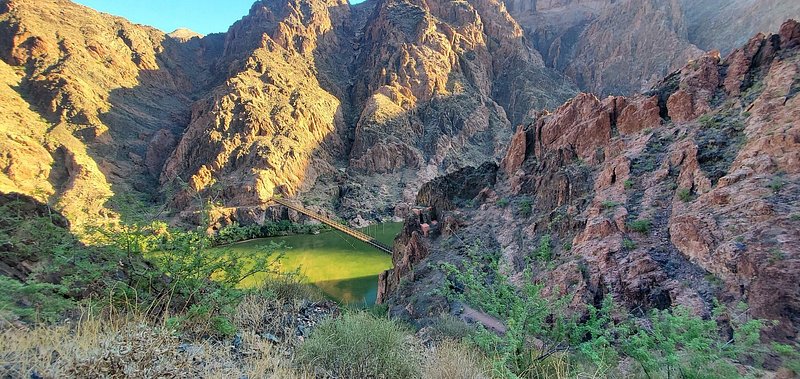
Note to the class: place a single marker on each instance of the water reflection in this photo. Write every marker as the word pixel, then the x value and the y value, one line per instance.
pixel 355 291
pixel 343 267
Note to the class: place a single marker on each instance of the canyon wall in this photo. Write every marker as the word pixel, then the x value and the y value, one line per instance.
pixel 682 195
pixel 349 108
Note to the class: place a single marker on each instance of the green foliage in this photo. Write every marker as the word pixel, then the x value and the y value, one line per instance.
pixel 525 207
pixel 236 233
pixel 685 194
pixel 358 345
pixel 544 253
pixel 205 282
pixel 628 184
pixel 776 255
pixel 452 327
pixel 567 246
pixel 628 244
pixel 641 226
pixel 776 184
pixel 501 203
pixel 677 341
pixel 608 204
pixel 666 343
pixel 707 121
pixel 64 269
pixel 790 355
pixel 795 217
pixel 33 300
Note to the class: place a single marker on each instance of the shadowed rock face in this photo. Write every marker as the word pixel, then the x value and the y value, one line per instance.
pixel 682 195
pixel 350 108
pixel 624 47
pixel 83 94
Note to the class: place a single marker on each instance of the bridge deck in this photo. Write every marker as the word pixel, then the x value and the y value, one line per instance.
pixel 336 225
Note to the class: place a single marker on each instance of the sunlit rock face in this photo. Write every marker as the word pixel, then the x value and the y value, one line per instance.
pixel 83 94
pixel 357 107
pixel 686 194
pixel 351 108
pixel 271 127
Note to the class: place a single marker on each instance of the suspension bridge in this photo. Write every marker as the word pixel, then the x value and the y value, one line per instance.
pixel 335 225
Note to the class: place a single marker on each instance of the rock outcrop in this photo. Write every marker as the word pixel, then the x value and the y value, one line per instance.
pixel 683 195
pixel 429 91
pixel 350 108
pixel 624 47
pixel 85 92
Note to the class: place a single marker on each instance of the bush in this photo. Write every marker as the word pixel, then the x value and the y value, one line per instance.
pixel 449 326
pixel 358 345
pixel 608 204
pixel 525 207
pixel 776 184
pixel 641 226
pixel 685 194
pixel 502 203
pixel 665 343
pixel 544 253
pixel 236 233
pixel 628 244
pixel 451 360
pixel 628 184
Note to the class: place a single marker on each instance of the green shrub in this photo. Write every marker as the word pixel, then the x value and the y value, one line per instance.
pixel 502 203
pixel 790 355
pixel 641 226
pixel 525 207
pixel 452 327
pixel 236 233
pixel 776 255
pixel 707 121
pixel 608 204
pixel 358 345
pixel 795 217
pixel 776 184
pixel 628 244
pixel 685 194
pixel 628 184
pixel 544 253
pixel 567 246
pixel 664 344
pixel 34 301
pixel 290 286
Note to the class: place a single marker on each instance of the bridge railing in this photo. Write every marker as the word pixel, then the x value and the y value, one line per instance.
pixel 336 225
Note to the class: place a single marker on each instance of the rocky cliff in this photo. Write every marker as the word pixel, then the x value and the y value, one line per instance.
pixel 427 90
pixel 624 47
pixel 682 195
pixel 348 108
pixel 83 95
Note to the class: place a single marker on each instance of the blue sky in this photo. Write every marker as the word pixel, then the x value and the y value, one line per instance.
pixel 202 16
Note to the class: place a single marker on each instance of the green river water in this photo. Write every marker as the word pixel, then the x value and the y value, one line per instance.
pixel 343 267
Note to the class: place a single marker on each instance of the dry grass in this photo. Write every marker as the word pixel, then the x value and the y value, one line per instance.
pixel 133 348
pixel 451 360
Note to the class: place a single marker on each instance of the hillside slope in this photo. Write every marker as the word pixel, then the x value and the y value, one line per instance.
pixel 625 47
pixel 348 108
pixel 683 195
pixel 93 90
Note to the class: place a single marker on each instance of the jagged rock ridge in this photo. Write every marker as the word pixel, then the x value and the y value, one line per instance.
pixel 349 108
pixel 679 196
pixel 624 47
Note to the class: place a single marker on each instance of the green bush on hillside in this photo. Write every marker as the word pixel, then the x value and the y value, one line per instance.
pixel 665 343
pixel 359 345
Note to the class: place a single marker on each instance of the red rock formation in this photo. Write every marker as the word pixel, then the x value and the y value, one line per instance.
pixel 681 212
